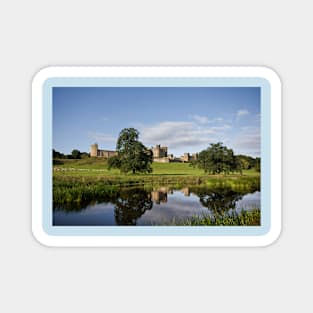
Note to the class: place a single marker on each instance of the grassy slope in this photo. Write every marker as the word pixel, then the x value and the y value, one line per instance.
pixel 98 166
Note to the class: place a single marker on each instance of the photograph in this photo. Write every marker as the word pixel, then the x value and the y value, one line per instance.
pixel 156 156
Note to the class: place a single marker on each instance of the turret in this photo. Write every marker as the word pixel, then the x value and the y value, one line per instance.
pixel 94 150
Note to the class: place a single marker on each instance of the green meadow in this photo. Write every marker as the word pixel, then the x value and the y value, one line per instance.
pixel 94 171
pixel 98 166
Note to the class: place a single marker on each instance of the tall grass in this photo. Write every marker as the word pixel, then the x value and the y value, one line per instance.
pixel 233 218
pixel 74 195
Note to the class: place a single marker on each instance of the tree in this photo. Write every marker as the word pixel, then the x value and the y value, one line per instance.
pixel 84 155
pixel 76 154
pixel 132 155
pixel 217 159
pixel 114 162
pixel 57 154
pixel 239 165
pixel 258 164
pixel 248 162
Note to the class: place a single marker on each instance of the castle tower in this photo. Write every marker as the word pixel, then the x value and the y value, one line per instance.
pixel 186 157
pixel 94 150
pixel 164 151
pixel 156 151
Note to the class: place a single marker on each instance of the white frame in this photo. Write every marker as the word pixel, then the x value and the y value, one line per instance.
pixel 156 241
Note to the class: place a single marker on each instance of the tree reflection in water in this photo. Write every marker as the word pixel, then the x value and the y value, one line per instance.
pixel 130 205
pixel 219 200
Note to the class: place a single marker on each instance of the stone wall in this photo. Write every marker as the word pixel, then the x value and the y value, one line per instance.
pixel 95 152
pixel 162 160
pixel 106 153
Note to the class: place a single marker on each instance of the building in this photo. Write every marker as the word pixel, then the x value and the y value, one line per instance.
pixel 96 152
pixel 185 157
pixel 189 157
pixel 160 154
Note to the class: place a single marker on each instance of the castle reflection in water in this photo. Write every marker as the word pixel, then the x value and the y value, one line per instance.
pixel 160 196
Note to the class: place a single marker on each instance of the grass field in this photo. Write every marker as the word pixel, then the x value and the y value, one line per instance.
pixel 91 171
pixel 98 166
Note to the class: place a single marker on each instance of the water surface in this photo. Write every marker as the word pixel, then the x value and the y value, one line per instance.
pixel 158 206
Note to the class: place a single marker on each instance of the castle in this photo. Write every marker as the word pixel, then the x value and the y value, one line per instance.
pixel 160 154
pixel 96 152
pixel 189 157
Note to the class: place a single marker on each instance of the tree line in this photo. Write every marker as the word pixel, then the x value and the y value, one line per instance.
pixel 75 154
pixel 134 157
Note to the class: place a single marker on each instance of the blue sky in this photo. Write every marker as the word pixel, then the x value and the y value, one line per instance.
pixel 184 119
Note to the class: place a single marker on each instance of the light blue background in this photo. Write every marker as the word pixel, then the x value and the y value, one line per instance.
pixel 156 230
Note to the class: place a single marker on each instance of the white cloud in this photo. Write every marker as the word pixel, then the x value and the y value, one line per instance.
pixel 221 128
pixel 202 119
pixel 178 134
pixel 248 141
pixel 241 113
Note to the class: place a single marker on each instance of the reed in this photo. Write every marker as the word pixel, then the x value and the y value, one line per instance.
pixel 233 218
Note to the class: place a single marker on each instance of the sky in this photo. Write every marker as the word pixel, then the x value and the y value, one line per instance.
pixel 186 119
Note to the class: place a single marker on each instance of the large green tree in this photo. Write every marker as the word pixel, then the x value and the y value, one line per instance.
pixel 132 155
pixel 218 159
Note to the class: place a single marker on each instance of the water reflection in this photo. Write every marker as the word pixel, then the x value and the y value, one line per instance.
pixel 158 206
pixel 129 206
pixel 219 200
pixel 159 196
